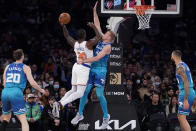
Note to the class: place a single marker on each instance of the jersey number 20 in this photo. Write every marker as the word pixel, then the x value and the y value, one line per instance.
pixel 15 78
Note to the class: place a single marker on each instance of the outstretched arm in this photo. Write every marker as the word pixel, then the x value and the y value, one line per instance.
pixel 27 71
pixel 69 39
pixel 90 43
pixel 181 72
pixel 96 19
pixel 106 50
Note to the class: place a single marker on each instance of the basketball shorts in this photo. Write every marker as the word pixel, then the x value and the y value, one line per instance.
pixel 13 100
pixel 97 77
pixel 80 74
pixel 191 98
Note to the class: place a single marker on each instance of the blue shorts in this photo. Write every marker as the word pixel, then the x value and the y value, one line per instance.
pixel 13 100
pixel 191 98
pixel 97 77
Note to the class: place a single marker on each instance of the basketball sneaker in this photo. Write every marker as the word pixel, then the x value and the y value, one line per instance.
pixel 105 122
pixel 76 119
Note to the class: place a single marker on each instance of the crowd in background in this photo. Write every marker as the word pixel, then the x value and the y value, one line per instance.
pixel 148 73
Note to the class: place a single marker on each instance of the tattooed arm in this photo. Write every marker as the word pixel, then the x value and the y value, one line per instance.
pixel 181 72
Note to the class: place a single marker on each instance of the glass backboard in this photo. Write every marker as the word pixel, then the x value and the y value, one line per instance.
pixel 120 8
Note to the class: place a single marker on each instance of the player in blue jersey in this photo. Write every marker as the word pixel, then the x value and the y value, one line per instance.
pixel 187 92
pixel 97 76
pixel 14 80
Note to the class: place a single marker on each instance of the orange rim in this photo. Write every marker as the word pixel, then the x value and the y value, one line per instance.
pixel 141 9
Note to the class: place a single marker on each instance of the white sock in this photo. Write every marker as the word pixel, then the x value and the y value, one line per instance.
pixel 78 94
pixel 67 94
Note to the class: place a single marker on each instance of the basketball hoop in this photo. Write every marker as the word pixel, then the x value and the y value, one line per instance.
pixel 143 16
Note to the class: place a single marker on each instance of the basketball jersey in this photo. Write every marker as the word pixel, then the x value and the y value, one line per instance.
pixel 103 61
pixel 82 51
pixel 15 76
pixel 188 74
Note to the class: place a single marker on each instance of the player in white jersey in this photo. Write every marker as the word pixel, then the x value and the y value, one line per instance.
pixel 80 72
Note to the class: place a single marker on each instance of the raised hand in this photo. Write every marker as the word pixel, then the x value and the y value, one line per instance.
pixel 95 7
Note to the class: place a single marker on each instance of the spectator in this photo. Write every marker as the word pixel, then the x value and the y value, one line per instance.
pixel 51 82
pixel 38 101
pixel 56 89
pixel 45 79
pixel 49 66
pixel 27 91
pixel 62 92
pixel 45 98
pixel 33 113
pixel 155 106
pixel 35 73
pixel 173 106
pixel 50 117
pixel 51 86
pixel 144 90
pixel 170 93
pixel 129 85
pixel 157 81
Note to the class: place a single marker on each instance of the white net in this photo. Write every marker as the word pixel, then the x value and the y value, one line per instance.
pixel 143 17
pixel 144 21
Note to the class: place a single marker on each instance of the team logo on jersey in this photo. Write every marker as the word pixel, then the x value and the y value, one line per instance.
pixel 22 110
pixel 180 104
pixel 115 78
pixel 102 81
pixel 80 49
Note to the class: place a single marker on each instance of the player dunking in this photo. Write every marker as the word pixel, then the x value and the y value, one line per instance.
pixel 14 80
pixel 80 73
pixel 98 72
pixel 187 93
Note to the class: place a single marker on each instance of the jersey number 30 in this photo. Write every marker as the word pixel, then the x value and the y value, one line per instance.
pixel 82 55
pixel 15 78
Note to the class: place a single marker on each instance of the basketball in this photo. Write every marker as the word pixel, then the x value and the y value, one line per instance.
pixel 64 18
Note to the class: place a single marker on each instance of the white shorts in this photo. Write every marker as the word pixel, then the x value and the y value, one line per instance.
pixel 80 75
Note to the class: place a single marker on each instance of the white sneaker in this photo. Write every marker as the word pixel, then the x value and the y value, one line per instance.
pixel 76 119
pixel 105 122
